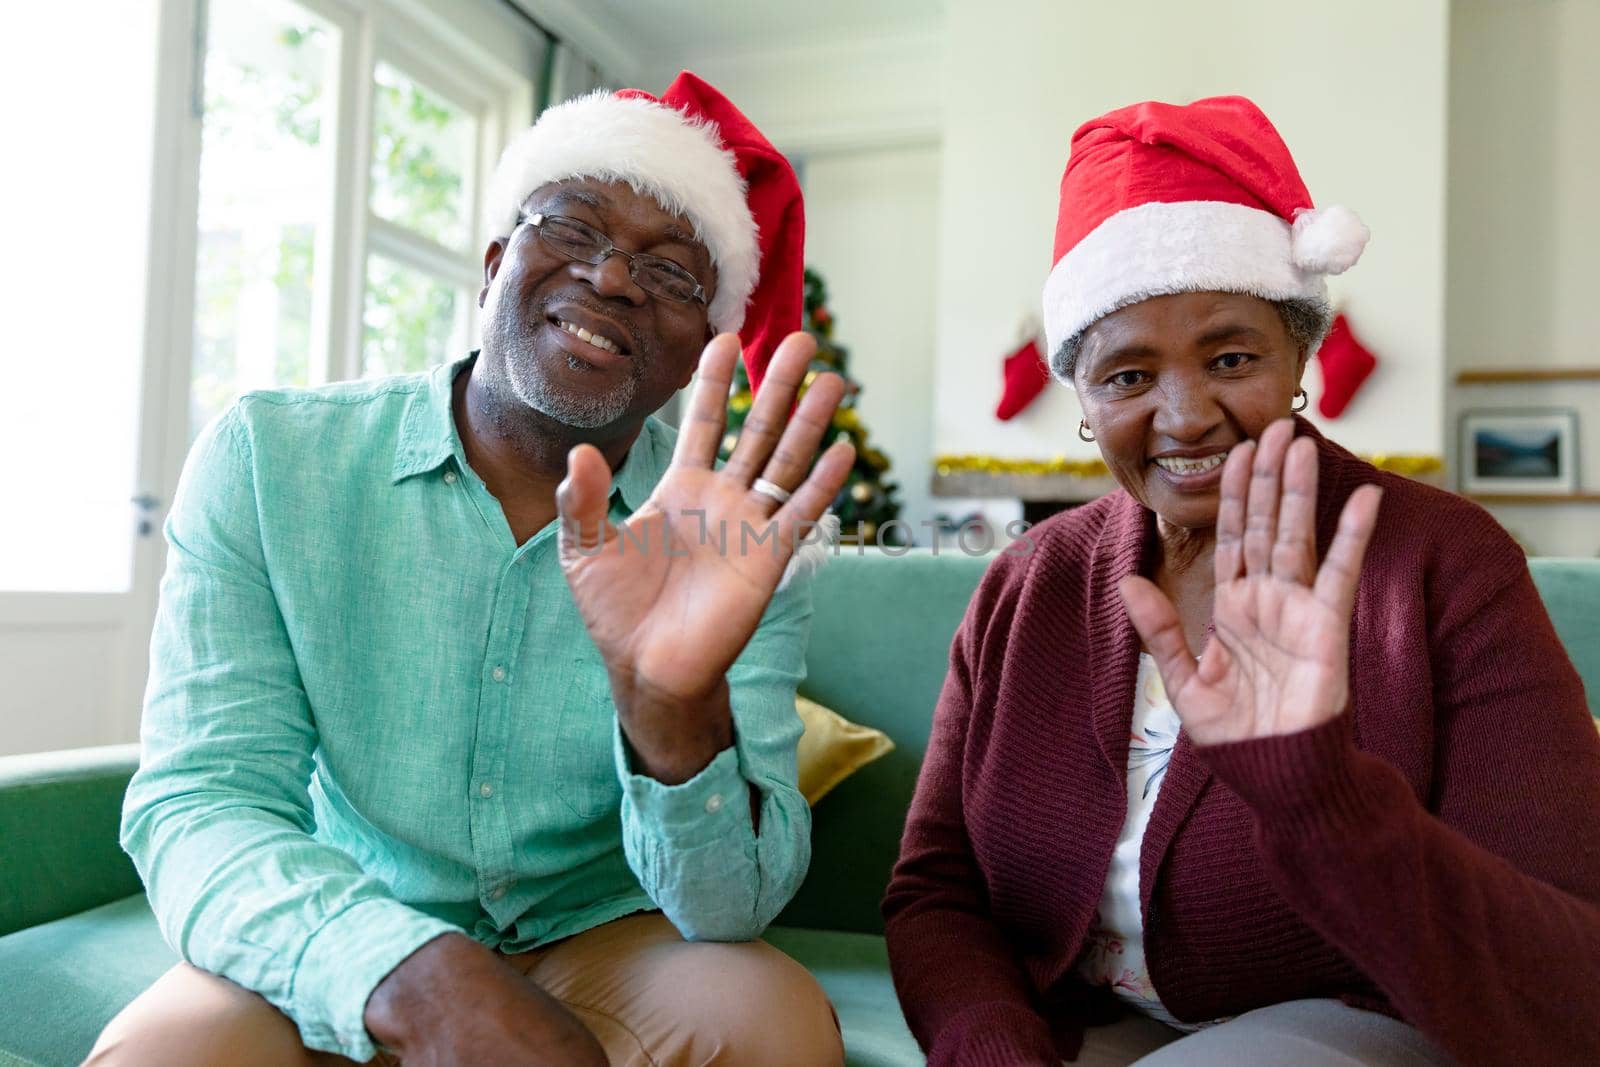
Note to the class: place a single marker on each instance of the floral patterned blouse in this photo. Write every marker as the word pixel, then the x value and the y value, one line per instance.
pixel 1113 953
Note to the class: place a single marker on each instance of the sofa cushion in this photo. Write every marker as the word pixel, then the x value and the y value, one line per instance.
pixel 58 822
pixel 880 641
pixel 833 748
pixel 64 981
pixel 1570 589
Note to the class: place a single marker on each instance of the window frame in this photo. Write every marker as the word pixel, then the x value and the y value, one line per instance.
pixel 339 256
pixel 348 233
pixel 498 98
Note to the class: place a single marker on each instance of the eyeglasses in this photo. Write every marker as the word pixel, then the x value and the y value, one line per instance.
pixel 579 241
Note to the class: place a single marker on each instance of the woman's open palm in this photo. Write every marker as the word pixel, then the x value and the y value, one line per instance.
pixel 1279 658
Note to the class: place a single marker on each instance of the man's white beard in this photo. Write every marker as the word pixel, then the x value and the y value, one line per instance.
pixel 503 340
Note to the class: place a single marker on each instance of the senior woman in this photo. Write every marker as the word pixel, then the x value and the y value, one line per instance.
pixel 1364 825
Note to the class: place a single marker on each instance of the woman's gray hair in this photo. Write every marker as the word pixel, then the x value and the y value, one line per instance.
pixel 1306 320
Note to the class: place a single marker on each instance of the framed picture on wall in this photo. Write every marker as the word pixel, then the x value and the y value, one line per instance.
pixel 1525 450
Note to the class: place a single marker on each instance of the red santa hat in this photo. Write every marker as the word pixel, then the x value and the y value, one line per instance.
pixel 1165 198
pixel 697 156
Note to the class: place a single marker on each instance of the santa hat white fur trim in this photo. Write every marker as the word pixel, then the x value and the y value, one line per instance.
pixel 1192 246
pixel 659 151
pixel 812 552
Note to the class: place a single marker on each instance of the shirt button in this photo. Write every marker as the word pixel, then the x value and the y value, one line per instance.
pixel 486 790
pixel 499 893
pixel 498 674
pixel 713 803
pixel 449 477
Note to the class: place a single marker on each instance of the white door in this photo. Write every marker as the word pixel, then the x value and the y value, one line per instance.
pixel 188 184
pixel 77 576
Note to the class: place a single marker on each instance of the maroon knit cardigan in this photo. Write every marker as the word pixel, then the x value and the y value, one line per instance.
pixel 1435 854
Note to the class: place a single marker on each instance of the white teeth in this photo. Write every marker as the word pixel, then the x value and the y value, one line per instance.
pixel 1179 465
pixel 603 344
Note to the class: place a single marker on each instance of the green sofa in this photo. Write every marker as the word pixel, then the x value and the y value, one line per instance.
pixel 77 940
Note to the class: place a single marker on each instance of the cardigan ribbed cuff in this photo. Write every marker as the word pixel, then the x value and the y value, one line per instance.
pixel 994 1034
pixel 1312 782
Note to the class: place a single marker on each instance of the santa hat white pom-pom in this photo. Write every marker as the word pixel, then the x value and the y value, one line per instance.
pixel 1328 240
pixel 812 551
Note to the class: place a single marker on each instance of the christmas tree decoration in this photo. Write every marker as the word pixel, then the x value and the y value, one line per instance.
pixel 868 500
pixel 1346 364
pixel 1025 376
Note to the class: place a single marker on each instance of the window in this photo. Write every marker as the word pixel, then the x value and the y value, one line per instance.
pixel 202 208
pixel 412 318
pixel 422 154
pixel 422 265
pixel 293 198
pixel 319 257
pixel 265 183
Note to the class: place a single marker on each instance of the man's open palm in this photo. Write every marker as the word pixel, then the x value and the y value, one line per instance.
pixel 672 594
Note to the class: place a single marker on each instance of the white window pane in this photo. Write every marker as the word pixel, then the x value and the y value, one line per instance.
pixel 422 154
pixel 263 191
pixel 81 79
pixel 412 321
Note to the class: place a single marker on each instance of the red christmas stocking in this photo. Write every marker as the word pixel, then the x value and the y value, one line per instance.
pixel 1346 363
pixel 1025 378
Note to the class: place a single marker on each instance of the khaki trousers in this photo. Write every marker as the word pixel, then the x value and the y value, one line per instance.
pixel 650 997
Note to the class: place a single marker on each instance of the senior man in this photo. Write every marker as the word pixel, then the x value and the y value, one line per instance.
pixel 464 742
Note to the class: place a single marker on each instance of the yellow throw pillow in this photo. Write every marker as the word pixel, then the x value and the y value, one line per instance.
pixel 833 748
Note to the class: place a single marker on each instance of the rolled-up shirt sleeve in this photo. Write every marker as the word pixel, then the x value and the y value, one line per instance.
pixel 218 818
pixel 694 846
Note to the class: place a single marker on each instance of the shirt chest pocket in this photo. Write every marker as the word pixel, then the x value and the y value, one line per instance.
pixel 581 767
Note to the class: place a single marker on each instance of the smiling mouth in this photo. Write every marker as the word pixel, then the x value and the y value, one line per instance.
pixel 1181 465
pixel 602 343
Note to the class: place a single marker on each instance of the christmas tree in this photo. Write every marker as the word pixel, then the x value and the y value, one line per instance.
pixel 868 501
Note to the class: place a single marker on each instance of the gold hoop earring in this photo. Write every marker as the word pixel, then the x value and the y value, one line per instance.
pixel 1303 397
pixel 1084 433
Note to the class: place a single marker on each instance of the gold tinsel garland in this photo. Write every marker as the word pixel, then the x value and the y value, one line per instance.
pixel 966 463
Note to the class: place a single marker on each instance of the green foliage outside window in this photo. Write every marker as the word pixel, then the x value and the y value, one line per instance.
pixel 415 182
pixel 420 147
pixel 409 321
pixel 254 110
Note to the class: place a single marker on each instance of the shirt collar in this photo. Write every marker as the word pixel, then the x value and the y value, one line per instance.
pixel 428 430
pixel 642 468
pixel 428 438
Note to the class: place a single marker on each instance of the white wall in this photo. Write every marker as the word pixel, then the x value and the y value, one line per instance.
pixel 1357 90
pixel 871 233
pixel 1524 223
pixel 854 93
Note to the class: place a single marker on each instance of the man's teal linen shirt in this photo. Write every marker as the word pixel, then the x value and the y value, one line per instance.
pixel 373 718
